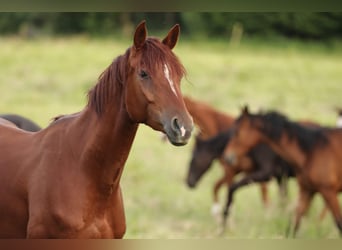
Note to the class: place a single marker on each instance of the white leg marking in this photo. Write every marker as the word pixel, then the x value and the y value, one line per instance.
pixel 339 122
pixel 167 75
pixel 216 212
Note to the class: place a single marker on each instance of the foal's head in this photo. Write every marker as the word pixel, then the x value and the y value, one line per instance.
pixel 246 133
pixel 153 93
pixel 204 153
pixel 202 157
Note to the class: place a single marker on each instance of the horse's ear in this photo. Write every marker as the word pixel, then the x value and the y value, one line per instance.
pixel 245 110
pixel 172 37
pixel 140 35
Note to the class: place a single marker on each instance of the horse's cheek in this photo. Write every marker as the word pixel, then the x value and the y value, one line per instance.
pixel 134 101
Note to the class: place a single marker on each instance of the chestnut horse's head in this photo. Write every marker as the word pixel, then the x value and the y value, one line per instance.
pixel 246 133
pixel 153 94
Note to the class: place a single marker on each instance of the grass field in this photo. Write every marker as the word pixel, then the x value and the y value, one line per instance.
pixel 47 77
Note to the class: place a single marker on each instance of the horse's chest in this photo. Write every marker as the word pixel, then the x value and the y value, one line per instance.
pixel 74 223
pixel 76 214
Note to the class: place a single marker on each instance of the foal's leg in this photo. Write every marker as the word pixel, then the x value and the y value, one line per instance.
pixel 323 212
pixel 305 198
pixel 227 178
pixel 282 182
pixel 216 207
pixel 330 197
pixel 264 193
pixel 260 176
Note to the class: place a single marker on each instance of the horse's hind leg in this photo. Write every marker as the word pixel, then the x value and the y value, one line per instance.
pixel 259 176
pixel 229 174
pixel 330 197
pixel 323 213
pixel 264 193
pixel 305 198
pixel 283 183
pixel 216 208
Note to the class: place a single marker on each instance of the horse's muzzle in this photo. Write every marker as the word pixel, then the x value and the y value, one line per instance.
pixel 191 181
pixel 178 133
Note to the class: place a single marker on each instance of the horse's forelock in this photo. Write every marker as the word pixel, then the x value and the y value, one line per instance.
pixel 156 54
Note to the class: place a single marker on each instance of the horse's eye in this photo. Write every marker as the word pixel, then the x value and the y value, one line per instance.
pixel 143 74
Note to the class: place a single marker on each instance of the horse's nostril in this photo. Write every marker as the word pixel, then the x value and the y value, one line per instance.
pixel 175 125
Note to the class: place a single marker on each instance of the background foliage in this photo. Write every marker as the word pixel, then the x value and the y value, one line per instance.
pixel 317 26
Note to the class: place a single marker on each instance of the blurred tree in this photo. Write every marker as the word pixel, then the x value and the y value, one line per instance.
pixel 313 25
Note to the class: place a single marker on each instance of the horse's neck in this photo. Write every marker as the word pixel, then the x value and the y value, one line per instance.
pixel 110 137
pixel 209 121
pixel 288 149
pixel 335 138
pixel 219 143
pixel 225 121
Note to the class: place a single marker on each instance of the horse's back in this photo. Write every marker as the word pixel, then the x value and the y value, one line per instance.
pixel 22 155
pixel 13 202
pixel 21 122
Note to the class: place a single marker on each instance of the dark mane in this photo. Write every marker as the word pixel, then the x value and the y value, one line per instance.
pixel 275 124
pixel 154 55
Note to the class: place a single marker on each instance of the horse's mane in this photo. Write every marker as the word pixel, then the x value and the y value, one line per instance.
pixel 110 83
pixel 275 124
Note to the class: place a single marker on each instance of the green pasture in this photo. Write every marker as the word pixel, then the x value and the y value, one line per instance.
pixel 47 77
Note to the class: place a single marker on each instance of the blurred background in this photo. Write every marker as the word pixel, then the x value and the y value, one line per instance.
pixel 291 62
pixel 321 26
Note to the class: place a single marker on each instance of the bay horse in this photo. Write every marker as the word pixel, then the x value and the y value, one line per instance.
pixel 64 181
pixel 21 122
pixel 211 122
pixel 260 164
pixel 314 152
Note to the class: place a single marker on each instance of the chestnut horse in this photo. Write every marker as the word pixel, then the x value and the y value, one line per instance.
pixel 315 153
pixel 211 122
pixel 21 122
pixel 63 181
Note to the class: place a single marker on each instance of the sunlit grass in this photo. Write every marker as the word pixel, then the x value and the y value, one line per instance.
pixel 44 78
